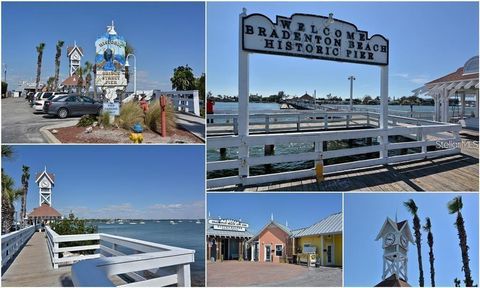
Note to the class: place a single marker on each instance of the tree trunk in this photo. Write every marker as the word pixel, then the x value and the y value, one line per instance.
pixel 462 235
pixel 432 259
pixel 418 240
pixel 39 69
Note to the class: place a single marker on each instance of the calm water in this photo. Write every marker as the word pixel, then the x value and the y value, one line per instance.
pixel 233 106
pixel 186 234
pixel 294 148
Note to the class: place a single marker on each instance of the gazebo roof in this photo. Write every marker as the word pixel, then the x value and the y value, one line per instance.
pixel 45 211
pixel 458 75
pixel 392 281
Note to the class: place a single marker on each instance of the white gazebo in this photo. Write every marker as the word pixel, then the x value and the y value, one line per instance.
pixel 461 83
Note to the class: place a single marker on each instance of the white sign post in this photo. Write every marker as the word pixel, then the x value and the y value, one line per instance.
pixel 307 36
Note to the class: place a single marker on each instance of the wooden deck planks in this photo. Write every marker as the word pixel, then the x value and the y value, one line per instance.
pixel 452 173
pixel 32 267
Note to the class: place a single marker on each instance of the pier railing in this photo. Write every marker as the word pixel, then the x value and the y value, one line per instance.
pixel 14 241
pixel 281 121
pixel 142 262
pixel 424 139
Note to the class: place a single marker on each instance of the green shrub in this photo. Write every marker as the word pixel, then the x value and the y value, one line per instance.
pixel 73 225
pixel 153 118
pixel 130 113
pixel 86 120
pixel 104 119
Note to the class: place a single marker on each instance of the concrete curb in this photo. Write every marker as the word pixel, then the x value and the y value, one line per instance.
pixel 49 136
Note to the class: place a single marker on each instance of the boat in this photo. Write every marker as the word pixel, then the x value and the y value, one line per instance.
pixel 110 221
pixel 141 222
pixel 198 222
pixel 173 222
pixel 120 222
pixel 157 221
pixel 133 223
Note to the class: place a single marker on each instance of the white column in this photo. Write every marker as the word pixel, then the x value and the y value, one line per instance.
pixel 321 250
pixel 384 111
pixel 462 101
pixel 243 95
pixel 252 252
pixel 183 275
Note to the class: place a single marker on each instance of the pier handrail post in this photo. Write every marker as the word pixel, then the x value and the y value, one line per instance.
pixel 267 124
pixel 183 274
pixel 384 112
pixel 243 99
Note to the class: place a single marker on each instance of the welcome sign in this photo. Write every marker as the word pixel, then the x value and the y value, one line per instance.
pixel 110 59
pixel 312 36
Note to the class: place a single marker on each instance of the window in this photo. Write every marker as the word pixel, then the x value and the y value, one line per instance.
pixel 71 99
pixel 86 99
pixel 279 250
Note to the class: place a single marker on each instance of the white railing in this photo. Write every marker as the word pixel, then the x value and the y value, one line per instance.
pixel 185 101
pixel 420 133
pixel 116 255
pixel 12 242
pixel 300 120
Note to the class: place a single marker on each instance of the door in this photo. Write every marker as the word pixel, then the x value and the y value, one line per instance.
pixel 73 104
pixel 88 106
pixel 329 255
pixel 268 253
pixel 213 250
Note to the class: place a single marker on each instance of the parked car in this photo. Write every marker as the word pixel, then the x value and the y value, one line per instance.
pixel 40 102
pixel 72 105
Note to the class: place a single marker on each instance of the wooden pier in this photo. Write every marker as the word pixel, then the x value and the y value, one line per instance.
pixel 457 172
pixel 40 260
pixel 32 267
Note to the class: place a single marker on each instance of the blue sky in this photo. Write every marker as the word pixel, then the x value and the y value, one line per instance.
pixel 427 40
pixel 117 181
pixel 164 35
pixel 299 209
pixel 364 217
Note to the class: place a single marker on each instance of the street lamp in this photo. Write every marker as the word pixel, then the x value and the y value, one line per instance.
pixel 134 71
pixel 351 78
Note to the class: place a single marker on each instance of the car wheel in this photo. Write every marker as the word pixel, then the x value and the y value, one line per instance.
pixel 62 113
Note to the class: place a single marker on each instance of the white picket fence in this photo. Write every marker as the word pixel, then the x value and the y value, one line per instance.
pixel 422 133
pixel 111 257
pixel 13 241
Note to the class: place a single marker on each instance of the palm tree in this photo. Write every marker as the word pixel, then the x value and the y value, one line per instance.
pixel 9 195
pixel 57 63
pixel 413 209
pixel 428 228
pixel 88 72
pixel 80 85
pixel 40 48
pixel 7 151
pixel 455 206
pixel 25 179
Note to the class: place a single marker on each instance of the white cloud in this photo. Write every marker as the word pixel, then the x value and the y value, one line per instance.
pixel 193 210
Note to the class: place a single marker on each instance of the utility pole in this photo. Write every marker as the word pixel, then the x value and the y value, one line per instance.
pixel 351 78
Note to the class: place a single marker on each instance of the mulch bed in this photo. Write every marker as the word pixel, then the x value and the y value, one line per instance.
pixel 76 134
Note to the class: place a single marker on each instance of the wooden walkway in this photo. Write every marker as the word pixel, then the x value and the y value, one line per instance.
pixel 451 173
pixel 32 267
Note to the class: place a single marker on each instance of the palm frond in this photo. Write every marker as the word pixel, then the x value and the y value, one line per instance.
pixel 455 205
pixel 411 206
pixel 428 225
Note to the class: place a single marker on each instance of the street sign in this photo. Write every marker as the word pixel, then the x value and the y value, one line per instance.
pixel 112 108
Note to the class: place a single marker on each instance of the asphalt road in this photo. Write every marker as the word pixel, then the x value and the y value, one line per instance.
pixel 20 124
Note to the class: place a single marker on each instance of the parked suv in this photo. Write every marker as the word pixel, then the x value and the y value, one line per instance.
pixel 72 105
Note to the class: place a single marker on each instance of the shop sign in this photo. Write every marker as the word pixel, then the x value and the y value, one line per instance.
pixel 228 225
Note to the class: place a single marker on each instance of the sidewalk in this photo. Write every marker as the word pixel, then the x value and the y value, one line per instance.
pixel 192 123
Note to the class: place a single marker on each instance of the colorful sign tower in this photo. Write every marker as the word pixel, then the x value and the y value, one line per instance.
pixel 110 63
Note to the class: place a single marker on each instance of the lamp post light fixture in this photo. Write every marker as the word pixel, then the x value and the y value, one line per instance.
pixel 134 71
pixel 351 78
